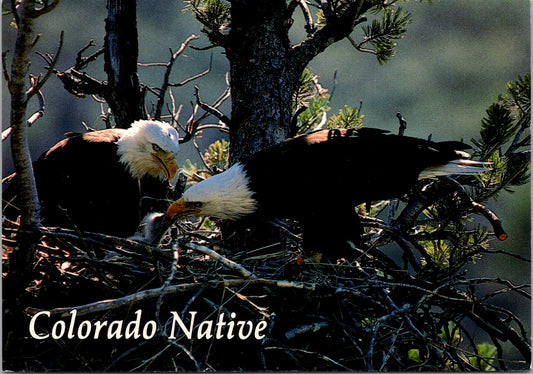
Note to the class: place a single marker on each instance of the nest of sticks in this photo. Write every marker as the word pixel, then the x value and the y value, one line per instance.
pixel 286 311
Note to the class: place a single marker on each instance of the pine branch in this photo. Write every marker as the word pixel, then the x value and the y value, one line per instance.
pixel 381 34
pixel 337 27
pixel 215 16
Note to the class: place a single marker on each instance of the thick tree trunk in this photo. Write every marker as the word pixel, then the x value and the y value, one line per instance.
pixel 262 83
pixel 124 93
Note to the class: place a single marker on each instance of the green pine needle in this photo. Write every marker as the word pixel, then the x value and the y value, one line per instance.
pixel 347 118
pixel 383 33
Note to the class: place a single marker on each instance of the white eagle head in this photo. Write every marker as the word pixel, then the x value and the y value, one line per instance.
pixel 149 148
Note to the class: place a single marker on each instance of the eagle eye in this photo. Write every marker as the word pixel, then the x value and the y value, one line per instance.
pixel 197 204
pixel 156 148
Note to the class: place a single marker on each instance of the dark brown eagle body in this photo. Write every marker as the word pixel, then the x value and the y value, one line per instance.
pixel 68 196
pixel 320 177
pixel 341 164
pixel 83 183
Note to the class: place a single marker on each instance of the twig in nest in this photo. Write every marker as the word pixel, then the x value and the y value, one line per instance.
pixel 218 257
pixel 105 305
pixel 304 329
pixel 169 279
pixel 316 354
pixel 261 310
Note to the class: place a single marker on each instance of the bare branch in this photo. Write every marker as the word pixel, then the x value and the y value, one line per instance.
pixel 40 112
pixel 36 86
pixel 35 40
pixel 15 11
pixel 22 257
pixel 166 77
pixel 82 62
pixel 80 83
pixel 6 133
pixel 210 109
pixel 359 46
pixel 309 23
pixel 194 77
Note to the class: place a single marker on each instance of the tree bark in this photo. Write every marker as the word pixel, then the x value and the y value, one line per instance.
pixel 22 257
pixel 262 82
pixel 124 93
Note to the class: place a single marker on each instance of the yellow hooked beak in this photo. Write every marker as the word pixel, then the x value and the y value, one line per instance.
pixel 168 163
pixel 182 208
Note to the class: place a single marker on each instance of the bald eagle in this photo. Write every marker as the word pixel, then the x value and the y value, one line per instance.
pixel 319 178
pixel 96 181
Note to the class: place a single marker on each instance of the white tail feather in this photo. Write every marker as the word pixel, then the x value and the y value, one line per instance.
pixel 455 167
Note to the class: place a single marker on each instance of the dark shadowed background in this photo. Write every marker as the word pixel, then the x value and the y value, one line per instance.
pixel 455 60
